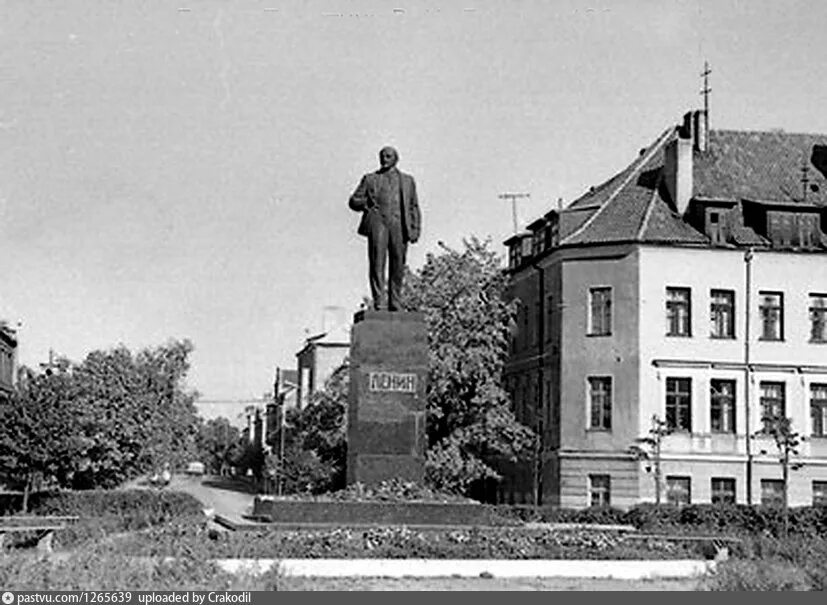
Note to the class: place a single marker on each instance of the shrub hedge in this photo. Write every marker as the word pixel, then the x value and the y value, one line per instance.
pixel 136 507
pixel 104 512
pixel 737 519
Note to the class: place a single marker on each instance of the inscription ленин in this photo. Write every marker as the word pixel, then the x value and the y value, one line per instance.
pixel 392 381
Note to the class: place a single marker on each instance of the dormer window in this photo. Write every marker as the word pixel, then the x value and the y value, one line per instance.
pixel 538 242
pixel 515 257
pixel 527 242
pixel 786 224
pixel 715 226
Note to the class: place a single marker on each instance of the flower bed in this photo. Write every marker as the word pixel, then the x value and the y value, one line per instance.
pixel 401 542
pixel 393 490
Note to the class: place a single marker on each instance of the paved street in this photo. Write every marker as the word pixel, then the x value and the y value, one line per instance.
pixel 228 497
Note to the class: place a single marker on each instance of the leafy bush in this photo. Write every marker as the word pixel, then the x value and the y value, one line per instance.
pixel 393 490
pixel 137 507
pixel 597 514
pixel 797 562
pixel 98 567
pixel 737 519
pixel 104 512
pixel 766 575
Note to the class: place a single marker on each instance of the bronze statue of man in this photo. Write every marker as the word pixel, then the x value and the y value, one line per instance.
pixel 390 220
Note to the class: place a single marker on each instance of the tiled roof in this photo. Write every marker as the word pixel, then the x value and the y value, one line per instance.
pixel 761 166
pixel 626 200
pixel 665 226
pixel 634 205
pixel 740 233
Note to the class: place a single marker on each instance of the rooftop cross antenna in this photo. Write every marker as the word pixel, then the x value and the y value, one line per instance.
pixel 513 197
pixel 706 90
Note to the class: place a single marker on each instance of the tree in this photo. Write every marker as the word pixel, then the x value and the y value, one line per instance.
pixel 649 448
pixel 469 418
pixel 103 421
pixel 141 416
pixel 216 444
pixel 786 441
pixel 39 445
pixel 315 447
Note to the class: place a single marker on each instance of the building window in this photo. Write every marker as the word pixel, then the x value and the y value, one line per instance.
pixel 772 402
pixel 678 312
pixel 723 490
pixel 600 490
pixel 600 311
pixel 600 403
pixel 555 233
pixel 678 490
pixel 722 405
pixel 526 243
pixel 771 310
pixel 818 409
pixel 722 313
pixel 515 258
pixel 714 229
pixel 539 241
pixel 772 492
pixel 819 493
pixel 549 316
pixel 818 317
pixel 679 404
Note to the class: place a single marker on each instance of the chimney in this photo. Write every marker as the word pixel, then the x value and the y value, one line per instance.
pixel 687 129
pixel 677 168
pixel 701 130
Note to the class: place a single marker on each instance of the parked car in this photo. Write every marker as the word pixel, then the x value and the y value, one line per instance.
pixel 195 468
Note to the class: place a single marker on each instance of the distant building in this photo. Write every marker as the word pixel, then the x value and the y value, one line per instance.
pixel 285 389
pixel 691 286
pixel 234 410
pixel 321 355
pixel 8 361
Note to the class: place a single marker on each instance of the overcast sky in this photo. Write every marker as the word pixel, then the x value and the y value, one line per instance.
pixel 182 169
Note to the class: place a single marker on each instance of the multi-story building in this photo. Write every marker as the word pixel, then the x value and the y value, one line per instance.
pixel 691 287
pixel 8 354
pixel 321 355
pixel 285 388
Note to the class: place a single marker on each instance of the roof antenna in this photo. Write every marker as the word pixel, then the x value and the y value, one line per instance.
pixel 706 90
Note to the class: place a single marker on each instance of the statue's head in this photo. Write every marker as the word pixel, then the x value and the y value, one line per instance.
pixel 388 157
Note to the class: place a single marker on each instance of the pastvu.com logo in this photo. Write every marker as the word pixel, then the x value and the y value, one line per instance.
pixel 8 598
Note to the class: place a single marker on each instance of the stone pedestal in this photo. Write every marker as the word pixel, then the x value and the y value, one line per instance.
pixel 386 405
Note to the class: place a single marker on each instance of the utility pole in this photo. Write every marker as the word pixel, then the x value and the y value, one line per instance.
pixel 748 256
pixel 279 401
pixel 514 197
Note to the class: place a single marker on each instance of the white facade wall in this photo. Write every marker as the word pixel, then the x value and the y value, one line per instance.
pixel 794 361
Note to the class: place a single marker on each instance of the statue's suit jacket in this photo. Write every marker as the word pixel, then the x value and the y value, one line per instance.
pixel 366 200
